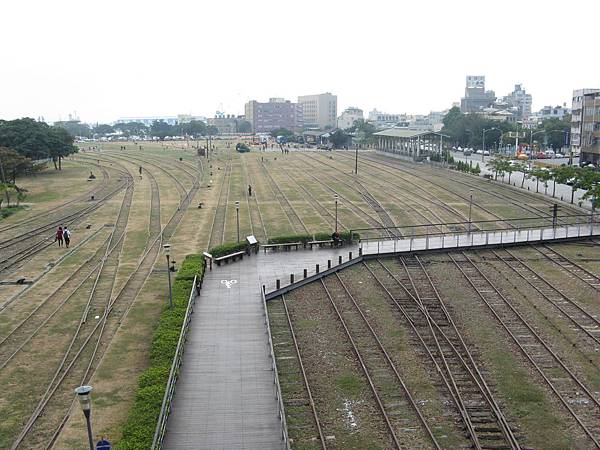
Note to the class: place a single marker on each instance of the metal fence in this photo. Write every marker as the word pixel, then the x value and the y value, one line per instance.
pixel 281 409
pixel 165 410
pixel 480 233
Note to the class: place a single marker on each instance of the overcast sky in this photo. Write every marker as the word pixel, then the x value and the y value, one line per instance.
pixel 108 59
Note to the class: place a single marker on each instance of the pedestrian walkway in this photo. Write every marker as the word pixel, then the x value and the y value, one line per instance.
pixel 226 397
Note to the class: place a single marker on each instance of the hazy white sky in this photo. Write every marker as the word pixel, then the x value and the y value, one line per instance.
pixel 106 59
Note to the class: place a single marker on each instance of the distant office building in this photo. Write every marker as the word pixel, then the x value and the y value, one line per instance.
pixel 386 120
pixel 277 113
pixel 348 117
pixel 585 125
pixel 225 123
pixel 520 100
pixel 187 118
pixel 476 97
pixel 148 121
pixel 319 111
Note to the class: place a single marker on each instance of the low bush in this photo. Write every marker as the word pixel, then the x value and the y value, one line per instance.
pixel 304 238
pixel 138 431
pixel 227 249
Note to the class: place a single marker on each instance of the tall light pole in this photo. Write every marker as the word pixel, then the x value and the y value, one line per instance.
pixel 470 207
pixel 237 214
pixel 335 197
pixel 485 131
pixel 84 396
pixel 167 249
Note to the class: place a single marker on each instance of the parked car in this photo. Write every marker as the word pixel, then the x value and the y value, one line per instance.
pixel 486 153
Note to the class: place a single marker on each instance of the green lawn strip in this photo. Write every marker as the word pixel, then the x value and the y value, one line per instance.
pixel 138 431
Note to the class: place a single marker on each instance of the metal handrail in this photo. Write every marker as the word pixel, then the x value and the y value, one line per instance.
pixel 161 425
pixel 282 419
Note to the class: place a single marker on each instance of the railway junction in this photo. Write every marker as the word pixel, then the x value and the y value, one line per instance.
pixel 463 314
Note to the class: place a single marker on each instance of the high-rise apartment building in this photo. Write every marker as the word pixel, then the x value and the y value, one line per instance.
pixel 476 97
pixel 276 113
pixel 585 125
pixel 319 111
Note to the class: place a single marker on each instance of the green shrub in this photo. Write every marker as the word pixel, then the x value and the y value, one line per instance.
pixel 304 238
pixel 227 249
pixel 138 431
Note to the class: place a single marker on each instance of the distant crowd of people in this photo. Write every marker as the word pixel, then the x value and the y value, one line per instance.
pixel 63 236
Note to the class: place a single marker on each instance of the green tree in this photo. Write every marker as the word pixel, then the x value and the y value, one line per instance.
pixel 212 130
pixel 243 126
pixel 281 132
pixel 132 129
pixel 339 139
pixel 102 129
pixel 541 174
pixel 161 129
pixel 194 128
pixel 75 128
pixel 561 175
pixel 12 165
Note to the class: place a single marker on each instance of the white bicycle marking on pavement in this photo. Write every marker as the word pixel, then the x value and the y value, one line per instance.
pixel 228 283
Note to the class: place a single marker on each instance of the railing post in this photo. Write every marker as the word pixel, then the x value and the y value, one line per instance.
pixel 487 237
pixel 427 242
pixel 339 259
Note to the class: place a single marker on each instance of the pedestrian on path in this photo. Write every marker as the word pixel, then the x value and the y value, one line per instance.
pixel 59 236
pixel 249 191
pixel 67 236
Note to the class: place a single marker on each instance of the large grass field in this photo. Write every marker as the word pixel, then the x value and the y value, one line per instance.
pixel 40 326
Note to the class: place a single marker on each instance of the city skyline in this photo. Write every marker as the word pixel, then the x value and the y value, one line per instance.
pixel 102 64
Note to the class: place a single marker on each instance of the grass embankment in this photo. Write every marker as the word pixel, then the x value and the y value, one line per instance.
pixel 138 431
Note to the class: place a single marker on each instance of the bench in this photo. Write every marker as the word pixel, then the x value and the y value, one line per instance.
pixel 284 246
pixel 329 242
pixel 230 257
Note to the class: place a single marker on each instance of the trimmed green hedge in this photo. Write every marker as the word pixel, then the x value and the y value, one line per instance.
pixel 304 238
pixel 227 249
pixel 138 431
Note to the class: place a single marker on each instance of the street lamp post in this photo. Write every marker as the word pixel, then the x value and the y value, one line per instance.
pixel 531 135
pixel 335 197
pixel 470 207
pixel 237 214
pixel 485 131
pixel 167 249
pixel 83 394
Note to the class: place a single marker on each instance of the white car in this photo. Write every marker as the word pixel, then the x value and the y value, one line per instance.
pixel 559 155
pixel 486 153
pixel 478 152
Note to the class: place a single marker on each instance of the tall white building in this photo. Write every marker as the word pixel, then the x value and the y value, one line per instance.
pixel 319 111
pixel 348 117
pixel 521 100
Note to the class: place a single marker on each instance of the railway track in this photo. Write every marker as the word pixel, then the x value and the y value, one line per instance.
pixel 257 223
pixel 298 225
pixel 21 248
pixel 298 401
pixel 399 195
pixel 398 404
pixel 219 217
pixel 582 322
pixel 92 192
pixel 79 283
pixel 410 290
pixel 358 211
pixel 570 266
pixel 565 384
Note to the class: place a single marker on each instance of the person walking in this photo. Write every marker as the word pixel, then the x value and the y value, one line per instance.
pixel 67 236
pixel 59 236
pixel 249 191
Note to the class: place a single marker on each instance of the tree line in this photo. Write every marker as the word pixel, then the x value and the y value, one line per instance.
pixel 585 178
pixel 467 130
pixel 159 129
